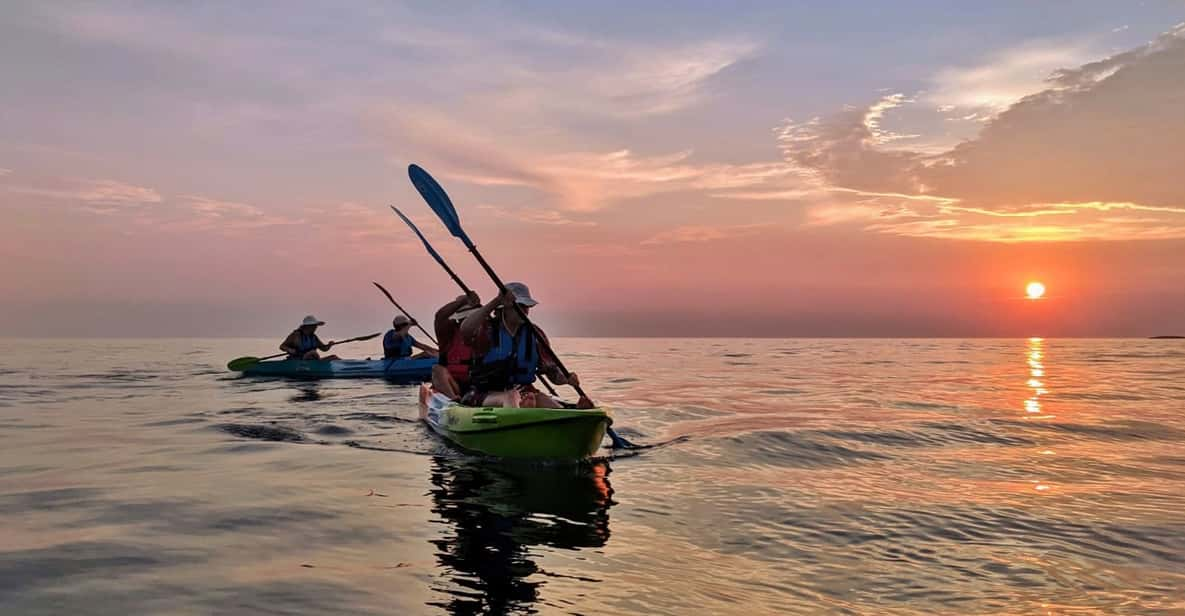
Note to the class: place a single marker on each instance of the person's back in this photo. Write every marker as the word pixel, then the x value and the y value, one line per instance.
pixel 450 376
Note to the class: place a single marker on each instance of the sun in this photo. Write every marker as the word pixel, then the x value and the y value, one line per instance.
pixel 1035 290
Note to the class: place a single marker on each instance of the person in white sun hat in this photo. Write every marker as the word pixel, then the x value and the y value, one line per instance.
pixel 303 342
pixel 510 354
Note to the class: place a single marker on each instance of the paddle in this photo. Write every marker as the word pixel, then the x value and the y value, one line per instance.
pixel 438 200
pixel 435 255
pixel 409 317
pixel 241 363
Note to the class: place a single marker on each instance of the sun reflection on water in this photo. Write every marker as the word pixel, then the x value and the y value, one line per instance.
pixel 1035 356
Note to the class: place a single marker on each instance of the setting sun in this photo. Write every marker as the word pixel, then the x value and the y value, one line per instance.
pixel 1035 290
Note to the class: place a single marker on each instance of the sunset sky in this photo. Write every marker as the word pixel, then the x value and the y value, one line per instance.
pixel 773 169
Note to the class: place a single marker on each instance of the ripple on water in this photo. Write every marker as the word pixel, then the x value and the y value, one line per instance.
pixel 792 449
pixel 263 432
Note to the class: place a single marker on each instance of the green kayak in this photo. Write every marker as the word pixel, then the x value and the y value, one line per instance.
pixel 569 434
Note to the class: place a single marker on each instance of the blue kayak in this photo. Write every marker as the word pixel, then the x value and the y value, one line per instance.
pixel 402 370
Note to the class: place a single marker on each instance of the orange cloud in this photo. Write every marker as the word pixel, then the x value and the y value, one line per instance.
pixel 1067 151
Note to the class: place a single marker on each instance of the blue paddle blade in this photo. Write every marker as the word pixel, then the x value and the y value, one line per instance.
pixel 617 441
pixel 438 200
pixel 431 250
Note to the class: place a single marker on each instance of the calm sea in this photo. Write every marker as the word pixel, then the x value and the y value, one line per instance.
pixel 788 476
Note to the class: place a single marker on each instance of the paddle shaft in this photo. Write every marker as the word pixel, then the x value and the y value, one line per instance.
pixel 435 255
pixel 331 345
pixel 409 317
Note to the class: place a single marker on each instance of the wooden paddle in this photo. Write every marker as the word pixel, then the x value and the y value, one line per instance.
pixel 242 363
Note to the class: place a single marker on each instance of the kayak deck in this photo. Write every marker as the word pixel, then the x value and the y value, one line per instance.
pixel 404 370
pixel 568 434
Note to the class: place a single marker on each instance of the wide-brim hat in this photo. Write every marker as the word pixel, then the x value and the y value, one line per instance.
pixel 311 320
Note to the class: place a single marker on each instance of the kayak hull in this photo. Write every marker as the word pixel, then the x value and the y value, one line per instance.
pixel 516 433
pixel 401 370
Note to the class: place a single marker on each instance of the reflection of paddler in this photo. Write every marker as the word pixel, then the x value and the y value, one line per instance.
pixel 495 517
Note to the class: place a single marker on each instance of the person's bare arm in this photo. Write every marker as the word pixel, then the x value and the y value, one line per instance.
pixel 548 364
pixel 471 326
pixel 426 348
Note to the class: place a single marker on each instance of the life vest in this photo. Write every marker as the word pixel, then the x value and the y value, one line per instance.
pixel 304 344
pixel 396 349
pixel 511 360
pixel 457 358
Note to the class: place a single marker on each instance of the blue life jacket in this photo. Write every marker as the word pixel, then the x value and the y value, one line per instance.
pixel 396 349
pixel 304 344
pixel 520 349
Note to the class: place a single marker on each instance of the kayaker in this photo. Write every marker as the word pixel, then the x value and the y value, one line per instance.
pixel 303 342
pixel 398 342
pixel 450 375
pixel 511 354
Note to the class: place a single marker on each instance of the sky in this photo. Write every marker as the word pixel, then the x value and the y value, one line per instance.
pixel 649 169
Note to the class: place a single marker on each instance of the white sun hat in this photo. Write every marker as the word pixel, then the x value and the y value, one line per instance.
pixel 311 320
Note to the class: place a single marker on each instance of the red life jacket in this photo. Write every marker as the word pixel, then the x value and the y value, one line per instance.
pixel 457 358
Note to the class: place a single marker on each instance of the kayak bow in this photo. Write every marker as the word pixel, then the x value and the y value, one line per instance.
pixel 569 434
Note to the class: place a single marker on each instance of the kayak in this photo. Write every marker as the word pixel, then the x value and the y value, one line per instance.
pixel 403 370
pixel 569 434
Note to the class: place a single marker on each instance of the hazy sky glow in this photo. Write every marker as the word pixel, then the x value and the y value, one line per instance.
pixel 783 168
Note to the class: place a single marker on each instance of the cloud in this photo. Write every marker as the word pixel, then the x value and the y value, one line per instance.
pixel 666 80
pixel 227 217
pixel 97 196
pixel 112 192
pixel 1097 145
pixel 1004 78
pixel 841 150
pixel 4 172
pixel 519 67
pixel 536 216
pixel 578 181
pixel 702 233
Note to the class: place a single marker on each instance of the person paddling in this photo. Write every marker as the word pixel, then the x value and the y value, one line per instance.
pixel 450 375
pixel 303 342
pixel 398 342
pixel 510 354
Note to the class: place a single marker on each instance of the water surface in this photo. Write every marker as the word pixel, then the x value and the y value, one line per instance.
pixel 791 476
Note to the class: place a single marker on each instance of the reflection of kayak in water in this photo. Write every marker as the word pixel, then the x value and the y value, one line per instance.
pixel 404 370
pixel 570 434
pixel 495 517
